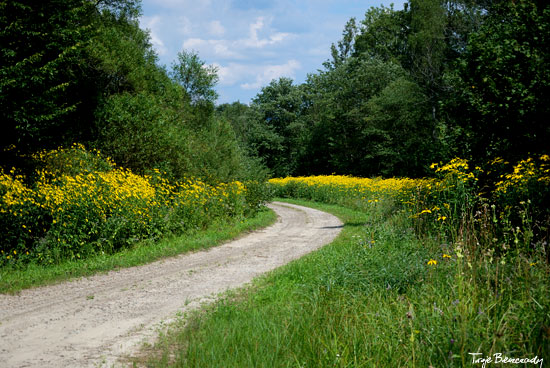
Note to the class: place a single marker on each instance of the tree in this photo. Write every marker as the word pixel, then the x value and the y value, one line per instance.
pixel 83 71
pixel 42 48
pixel 122 58
pixel 426 42
pixel 196 78
pixel 338 115
pixel 506 73
pixel 398 134
pixel 238 116
pixel 383 35
pixel 52 70
pixel 346 46
pixel 278 130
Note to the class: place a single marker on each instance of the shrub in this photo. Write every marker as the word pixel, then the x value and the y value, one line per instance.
pixel 79 203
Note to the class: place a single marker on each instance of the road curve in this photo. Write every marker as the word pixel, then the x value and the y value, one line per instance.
pixel 95 321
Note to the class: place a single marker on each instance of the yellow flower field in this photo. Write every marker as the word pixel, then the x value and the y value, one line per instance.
pixel 453 203
pixel 78 203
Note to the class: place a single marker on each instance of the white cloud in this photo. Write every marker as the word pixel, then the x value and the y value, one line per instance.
pixel 216 28
pixel 252 41
pixel 219 48
pixel 233 48
pixel 193 43
pixel 255 76
pixel 255 42
pixel 266 73
pixel 183 4
pixel 184 25
pixel 232 73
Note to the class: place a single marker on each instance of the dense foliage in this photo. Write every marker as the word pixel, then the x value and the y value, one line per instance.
pixel 512 216
pixel 405 88
pixel 402 89
pixel 453 263
pixel 43 90
pixel 80 204
pixel 83 71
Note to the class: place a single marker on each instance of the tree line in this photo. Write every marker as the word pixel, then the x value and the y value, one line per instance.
pixel 402 89
pixel 406 88
pixel 83 71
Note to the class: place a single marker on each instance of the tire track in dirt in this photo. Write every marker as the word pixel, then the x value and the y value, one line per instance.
pixel 95 321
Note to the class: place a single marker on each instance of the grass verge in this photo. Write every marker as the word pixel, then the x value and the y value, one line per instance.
pixel 377 296
pixel 13 279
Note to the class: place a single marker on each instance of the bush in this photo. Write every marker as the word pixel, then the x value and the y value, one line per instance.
pixel 510 210
pixel 79 204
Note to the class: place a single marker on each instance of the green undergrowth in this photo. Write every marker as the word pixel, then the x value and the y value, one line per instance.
pixel 377 296
pixel 15 278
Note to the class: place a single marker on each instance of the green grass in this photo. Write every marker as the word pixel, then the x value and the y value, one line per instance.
pixel 369 299
pixel 13 279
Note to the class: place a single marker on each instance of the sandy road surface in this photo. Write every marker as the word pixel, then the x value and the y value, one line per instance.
pixel 94 321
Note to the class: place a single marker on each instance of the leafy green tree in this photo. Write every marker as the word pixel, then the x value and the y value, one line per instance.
pixel 51 80
pixel 140 133
pixel 83 71
pixel 345 47
pixel 196 78
pixel 122 57
pixel 408 87
pixel 506 73
pixel 235 114
pixel 464 17
pixel 217 156
pixel 243 121
pixel 383 35
pixel 140 110
pixel 399 136
pixel 426 43
pixel 42 47
pixel 277 134
pixel 339 112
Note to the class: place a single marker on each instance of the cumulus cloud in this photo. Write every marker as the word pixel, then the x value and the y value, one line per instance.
pixel 231 73
pixel 184 25
pixel 267 73
pixel 255 76
pixel 252 4
pixel 254 41
pixel 251 41
pixel 234 48
pixel 216 29
pixel 219 48
pixel 183 4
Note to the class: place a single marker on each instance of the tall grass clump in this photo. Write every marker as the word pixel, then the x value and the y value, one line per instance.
pixel 500 209
pixel 77 203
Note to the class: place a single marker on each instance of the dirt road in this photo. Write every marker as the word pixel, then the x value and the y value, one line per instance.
pixel 94 321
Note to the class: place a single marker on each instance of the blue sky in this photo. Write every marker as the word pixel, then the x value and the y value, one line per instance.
pixel 251 42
